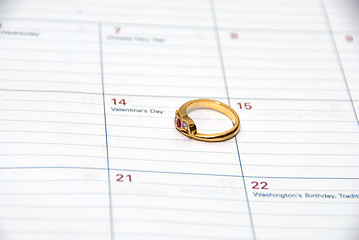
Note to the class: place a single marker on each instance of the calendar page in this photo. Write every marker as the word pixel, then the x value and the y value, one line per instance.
pixel 88 93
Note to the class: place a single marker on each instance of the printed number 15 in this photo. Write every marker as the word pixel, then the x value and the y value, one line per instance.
pixel 246 105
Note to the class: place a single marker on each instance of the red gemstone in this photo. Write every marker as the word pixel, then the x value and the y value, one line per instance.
pixel 178 123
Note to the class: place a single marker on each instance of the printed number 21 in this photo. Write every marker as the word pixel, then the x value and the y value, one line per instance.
pixel 120 178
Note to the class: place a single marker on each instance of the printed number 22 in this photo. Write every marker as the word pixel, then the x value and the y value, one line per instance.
pixel 256 185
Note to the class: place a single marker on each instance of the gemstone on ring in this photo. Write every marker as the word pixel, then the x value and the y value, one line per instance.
pixel 178 123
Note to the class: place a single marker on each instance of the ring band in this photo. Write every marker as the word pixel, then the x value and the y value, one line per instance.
pixel 185 125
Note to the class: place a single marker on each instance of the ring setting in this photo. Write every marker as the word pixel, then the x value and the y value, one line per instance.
pixel 185 125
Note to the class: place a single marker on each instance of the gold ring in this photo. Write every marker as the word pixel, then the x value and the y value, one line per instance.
pixel 185 125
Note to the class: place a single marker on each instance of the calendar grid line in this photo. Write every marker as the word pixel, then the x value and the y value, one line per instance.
pixel 112 231
pixel 309 31
pixel 180 173
pixel 181 96
pixel 326 18
pixel 221 60
pixel 297 59
pixel 133 126
pixel 172 139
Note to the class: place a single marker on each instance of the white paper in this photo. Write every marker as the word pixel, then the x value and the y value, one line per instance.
pixel 75 165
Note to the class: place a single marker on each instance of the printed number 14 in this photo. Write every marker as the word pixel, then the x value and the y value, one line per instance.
pixel 122 101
